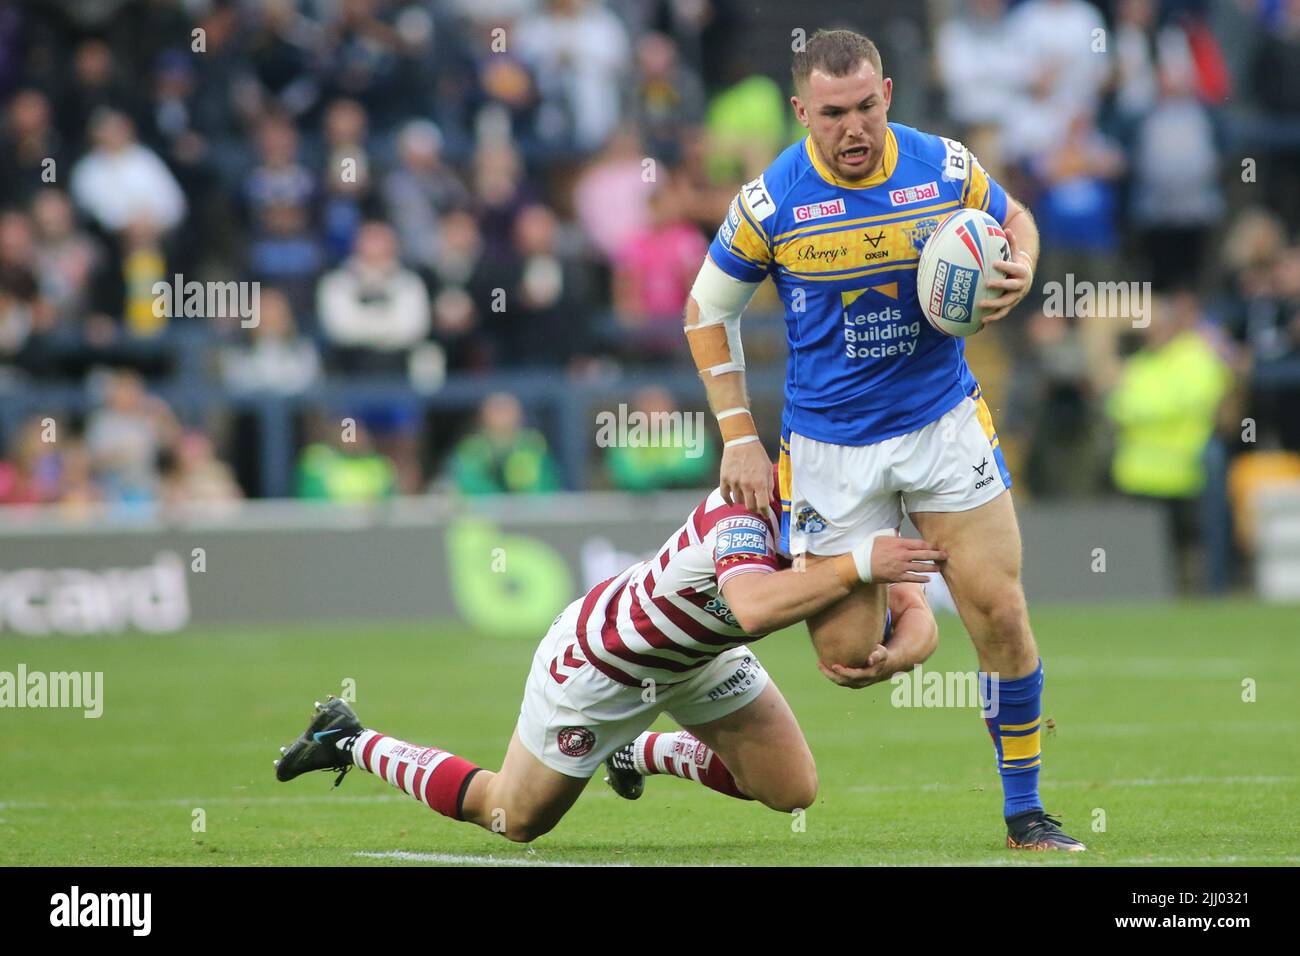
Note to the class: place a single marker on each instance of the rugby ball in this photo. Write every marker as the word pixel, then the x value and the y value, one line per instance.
pixel 956 264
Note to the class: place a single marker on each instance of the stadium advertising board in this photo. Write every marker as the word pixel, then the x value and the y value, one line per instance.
pixel 505 568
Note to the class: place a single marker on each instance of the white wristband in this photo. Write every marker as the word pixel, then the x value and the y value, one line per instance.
pixel 862 553
pixel 743 440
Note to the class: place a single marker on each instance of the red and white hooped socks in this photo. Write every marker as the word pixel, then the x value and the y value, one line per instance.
pixel 684 755
pixel 436 778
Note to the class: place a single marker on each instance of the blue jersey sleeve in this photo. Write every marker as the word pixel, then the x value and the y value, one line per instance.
pixel 984 192
pixel 741 248
pixel 978 190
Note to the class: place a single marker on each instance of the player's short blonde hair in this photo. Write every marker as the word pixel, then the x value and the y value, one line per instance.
pixel 835 53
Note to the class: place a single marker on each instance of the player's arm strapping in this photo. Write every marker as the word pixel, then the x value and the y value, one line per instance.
pixel 713 313
pixel 768 602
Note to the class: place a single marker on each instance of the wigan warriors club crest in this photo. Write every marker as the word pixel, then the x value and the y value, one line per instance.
pixel 575 741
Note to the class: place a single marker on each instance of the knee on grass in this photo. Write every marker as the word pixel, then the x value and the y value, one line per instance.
pixel 522 828
pixel 797 793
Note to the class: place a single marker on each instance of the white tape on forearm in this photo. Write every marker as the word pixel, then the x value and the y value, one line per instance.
pixel 727 413
pixel 862 553
pixel 721 301
pixel 743 440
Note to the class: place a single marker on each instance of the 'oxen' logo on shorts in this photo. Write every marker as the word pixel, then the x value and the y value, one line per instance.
pixel 575 741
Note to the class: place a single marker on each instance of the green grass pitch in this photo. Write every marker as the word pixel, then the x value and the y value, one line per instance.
pixel 1151 731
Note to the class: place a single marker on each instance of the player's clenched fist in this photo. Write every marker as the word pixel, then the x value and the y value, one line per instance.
pixel 746 477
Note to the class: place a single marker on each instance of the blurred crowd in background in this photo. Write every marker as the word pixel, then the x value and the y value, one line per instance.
pixel 432 191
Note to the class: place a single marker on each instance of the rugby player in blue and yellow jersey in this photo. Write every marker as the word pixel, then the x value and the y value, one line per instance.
pixel 881 412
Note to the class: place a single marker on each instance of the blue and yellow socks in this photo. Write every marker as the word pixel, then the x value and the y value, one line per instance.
pixel 1013 712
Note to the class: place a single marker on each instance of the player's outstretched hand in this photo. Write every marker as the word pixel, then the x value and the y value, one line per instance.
pixel 896 559
pixel 878 668
pixel 1014 284
pixel 746 477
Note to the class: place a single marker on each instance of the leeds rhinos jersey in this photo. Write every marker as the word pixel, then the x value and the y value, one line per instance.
pixel 864 363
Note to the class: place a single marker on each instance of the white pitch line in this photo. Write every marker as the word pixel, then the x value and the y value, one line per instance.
pixel 254 799
pixel 1146 668
pixel 1086 730
pixel 1204 860
pixel 204 801
pixel 1050 783
pixel 1021 860
pixel 1182 781
pixel 1081 859
pixel 469 859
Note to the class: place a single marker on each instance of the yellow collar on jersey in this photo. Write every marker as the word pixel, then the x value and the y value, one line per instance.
pixel 875 179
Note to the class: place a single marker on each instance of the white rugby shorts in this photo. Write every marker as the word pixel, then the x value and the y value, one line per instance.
pixel 833 497
pixel 575 717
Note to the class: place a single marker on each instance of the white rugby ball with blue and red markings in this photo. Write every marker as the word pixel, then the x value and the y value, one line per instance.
pixel 956 264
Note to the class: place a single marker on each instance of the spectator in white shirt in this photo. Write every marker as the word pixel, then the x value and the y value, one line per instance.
pixel 1063 45
pixel 1176 197
pixel 370 303
pixel 1142 54
pixel 983 74
pixel 581 52
pixel 276 358
pixel 120 181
